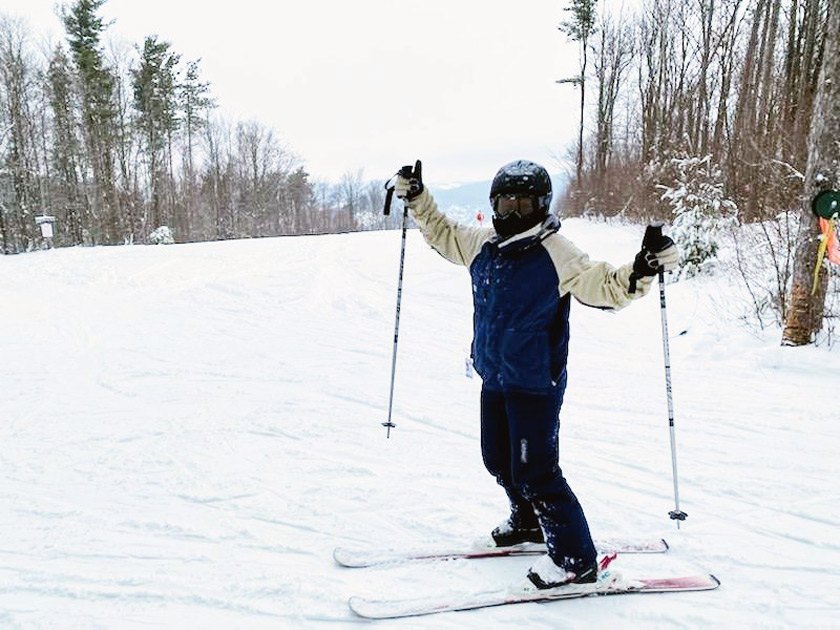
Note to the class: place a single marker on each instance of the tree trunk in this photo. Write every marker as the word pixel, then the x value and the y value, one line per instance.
pixel 582 110
pixel 805 315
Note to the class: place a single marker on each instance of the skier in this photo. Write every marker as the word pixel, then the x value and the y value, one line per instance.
pixel 523 274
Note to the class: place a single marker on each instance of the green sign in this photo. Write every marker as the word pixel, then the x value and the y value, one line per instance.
pixel 826 204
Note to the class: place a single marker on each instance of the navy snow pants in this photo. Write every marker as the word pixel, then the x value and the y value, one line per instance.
pixel 519 444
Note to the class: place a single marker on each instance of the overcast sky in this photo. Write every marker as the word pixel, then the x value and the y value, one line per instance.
pixel 465 85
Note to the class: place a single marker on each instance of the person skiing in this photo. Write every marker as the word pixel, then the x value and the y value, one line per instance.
pixel 524 273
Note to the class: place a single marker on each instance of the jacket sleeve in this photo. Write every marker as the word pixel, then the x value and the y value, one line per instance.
pixel 457 243
pixel 593 283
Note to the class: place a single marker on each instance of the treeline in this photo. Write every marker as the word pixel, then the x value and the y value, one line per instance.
pixel 116 143
pixel 729 80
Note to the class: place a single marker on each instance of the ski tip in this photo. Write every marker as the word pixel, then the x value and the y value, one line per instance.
pixel 354 604
pixel 665 544
pixel 343 559
pixel 714 579
pixel 367 609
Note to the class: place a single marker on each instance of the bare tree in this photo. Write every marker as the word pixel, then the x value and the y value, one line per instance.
pixel 17 82
pixel 351 190
pixel 579 28
pixel 613 56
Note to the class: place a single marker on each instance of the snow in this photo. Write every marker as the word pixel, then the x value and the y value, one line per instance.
pixel 188 432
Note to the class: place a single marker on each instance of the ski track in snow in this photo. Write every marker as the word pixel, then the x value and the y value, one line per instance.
pixel 188 431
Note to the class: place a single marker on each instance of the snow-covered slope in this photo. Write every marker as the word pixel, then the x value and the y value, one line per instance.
pixel 188 431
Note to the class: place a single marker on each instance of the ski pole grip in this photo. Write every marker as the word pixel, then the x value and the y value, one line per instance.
pixel 653 237
pixel 407 172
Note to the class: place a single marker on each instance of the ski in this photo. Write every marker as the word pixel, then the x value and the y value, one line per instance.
pixel 608 584
pixel 358 558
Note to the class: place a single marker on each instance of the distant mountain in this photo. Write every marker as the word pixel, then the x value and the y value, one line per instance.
pixel 464 201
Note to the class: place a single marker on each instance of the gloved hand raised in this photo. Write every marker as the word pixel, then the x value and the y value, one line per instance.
pixel 658 253
pixel 409 183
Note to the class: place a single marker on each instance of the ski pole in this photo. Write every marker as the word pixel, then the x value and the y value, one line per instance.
pixel 652 235
pixel 407 172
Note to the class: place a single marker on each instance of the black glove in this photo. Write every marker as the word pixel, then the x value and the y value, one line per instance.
pixel 658 252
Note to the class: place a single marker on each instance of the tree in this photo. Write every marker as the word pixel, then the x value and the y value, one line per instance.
pixel 578 28
pixel 128 154
pixel 154 83
pixel 701 212
pixel 351 190
pixel 72 212
pixel 613 52
pixel 194 101
pixel 5 231
pixel 97 85
pixel 263 166
pixel 216 135
pixel 301 201
pixel 20 160
pixel 805 315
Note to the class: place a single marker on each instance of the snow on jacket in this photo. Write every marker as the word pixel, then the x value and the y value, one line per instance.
pixel 521 295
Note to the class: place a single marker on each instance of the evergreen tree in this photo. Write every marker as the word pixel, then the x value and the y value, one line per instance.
pixel 194 102
pixel 701 211
pixel 97 84
pixel 71 212
pixel 300 198
pixel 156 103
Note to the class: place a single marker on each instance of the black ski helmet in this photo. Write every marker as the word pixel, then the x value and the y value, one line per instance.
pixel 522 178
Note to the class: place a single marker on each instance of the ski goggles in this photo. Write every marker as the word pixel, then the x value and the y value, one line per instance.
pixel 507 205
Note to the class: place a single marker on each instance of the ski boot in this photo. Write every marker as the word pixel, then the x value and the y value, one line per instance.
pixel 545 573
pixel 510 533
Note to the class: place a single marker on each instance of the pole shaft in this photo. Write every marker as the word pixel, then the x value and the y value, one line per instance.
pixel 668 391
pixel 389 425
